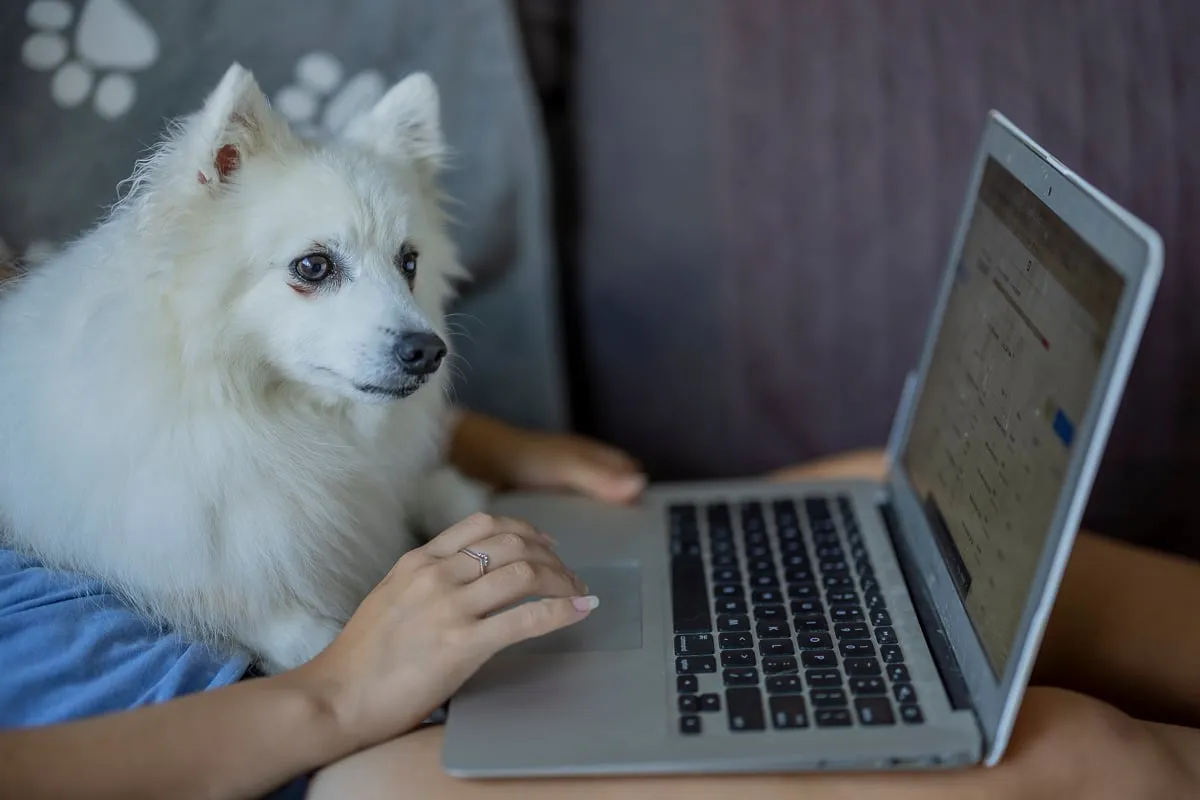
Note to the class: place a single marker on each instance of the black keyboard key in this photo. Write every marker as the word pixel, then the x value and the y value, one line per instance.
pixel 851 630
pixel 722 590
pixel 688 704
pixel 731 605
pixel 812 623
pixel 766 596
pixel 689 725
pixel 874 600
pixel 740 676
pixel 874 710
pixel 722 547
pixel 694 644
pixel 710 702
pixel 745 709
pixel 687 684
pixel 760 565
pixel 807 607
pixel 897 673
pixel 734 641
pixel 814 641
pixel 693 665
pixel 864 568
pixel 852 648
pixel 726 575
pixel 842 598
pixel 829 551
pixel 784 684
pixel 847 614
pixel 764 580
pixel 862 666
pixel 787 711
pixel 733 622
pixel 776 647
pixel 837 582
pixel 834 566
pixel 774 665
pixel 827 698
pixel 881 617
pixel 758 551
pixel 685 549
pixel 803 591
pixel 912 715
pixel 689 599
pixel 770 612
pixel 886 635
pixel 869 584
pixel 819 658
pixel 821 678
pixel 891 653
pixel 904 693
pixel 756 539
pixel 789 533
pixel 718 513
pixel 770 629
pixel 725 560
pixel 798 575
pixel 868 686
pixel 793 547
pixel 832 717
pixel 738 658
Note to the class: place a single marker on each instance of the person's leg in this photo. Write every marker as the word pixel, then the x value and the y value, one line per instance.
pixel 1065 745
pixel 1122 630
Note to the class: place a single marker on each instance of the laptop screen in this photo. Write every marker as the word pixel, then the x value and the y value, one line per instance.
pixel 1012 373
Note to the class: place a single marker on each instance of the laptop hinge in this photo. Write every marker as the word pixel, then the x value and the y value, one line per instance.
pixel 935 634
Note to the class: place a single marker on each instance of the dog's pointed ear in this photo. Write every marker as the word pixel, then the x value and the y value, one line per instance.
pixel 233 125
pixel 405 123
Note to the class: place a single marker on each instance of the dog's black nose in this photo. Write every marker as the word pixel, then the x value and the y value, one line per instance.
pixel 420 353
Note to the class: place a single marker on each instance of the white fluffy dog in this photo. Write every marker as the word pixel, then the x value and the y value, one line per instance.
pixel 225 401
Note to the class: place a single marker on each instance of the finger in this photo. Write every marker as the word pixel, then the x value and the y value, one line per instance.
pixel 533 619
pixel 599 480
pixel 515 582
pixel 476 528
pixel 501 550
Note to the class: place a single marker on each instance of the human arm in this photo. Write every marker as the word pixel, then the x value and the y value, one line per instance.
pixel 419 634
pixel 507 457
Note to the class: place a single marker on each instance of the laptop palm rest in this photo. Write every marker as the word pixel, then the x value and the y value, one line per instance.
pixel 615 625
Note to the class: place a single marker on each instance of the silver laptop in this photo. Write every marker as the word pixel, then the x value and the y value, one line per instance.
pixel 851 625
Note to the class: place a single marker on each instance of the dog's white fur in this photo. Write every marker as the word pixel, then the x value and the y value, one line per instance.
pixel 179 421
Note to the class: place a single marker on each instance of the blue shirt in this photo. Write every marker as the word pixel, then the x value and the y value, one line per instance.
pixel 69 648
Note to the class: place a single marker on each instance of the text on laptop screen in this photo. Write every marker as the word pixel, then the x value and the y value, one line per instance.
pixel 1011 376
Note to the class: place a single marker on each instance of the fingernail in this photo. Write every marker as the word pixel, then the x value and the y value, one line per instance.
pixel 586 603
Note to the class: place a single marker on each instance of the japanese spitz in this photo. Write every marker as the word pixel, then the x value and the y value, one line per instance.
pixel 227 400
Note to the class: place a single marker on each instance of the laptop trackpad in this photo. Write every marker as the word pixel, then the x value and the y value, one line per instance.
pixel 615 625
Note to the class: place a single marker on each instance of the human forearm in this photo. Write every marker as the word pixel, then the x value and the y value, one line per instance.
pixel 240 741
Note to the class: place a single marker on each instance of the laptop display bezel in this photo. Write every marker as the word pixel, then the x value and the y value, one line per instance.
pixel 1135 251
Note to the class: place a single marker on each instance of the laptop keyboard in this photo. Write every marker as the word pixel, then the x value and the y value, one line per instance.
pixel 786 614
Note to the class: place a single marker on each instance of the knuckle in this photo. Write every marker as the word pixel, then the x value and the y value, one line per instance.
pixel 531 617
pixel 483 520
pixel 524 574
pixel 511 541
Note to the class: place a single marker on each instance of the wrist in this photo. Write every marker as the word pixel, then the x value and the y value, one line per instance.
pixel 321 709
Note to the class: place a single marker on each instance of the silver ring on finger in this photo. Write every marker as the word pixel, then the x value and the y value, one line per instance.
pixel 482 558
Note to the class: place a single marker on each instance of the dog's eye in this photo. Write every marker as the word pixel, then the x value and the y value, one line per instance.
pixel 408 261
pixel 313 268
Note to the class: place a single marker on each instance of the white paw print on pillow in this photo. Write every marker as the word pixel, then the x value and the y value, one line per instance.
pixel 322 100
pixel 110 41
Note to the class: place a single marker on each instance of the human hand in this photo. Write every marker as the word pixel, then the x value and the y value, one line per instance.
pixel 426 628
pixel 511 458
